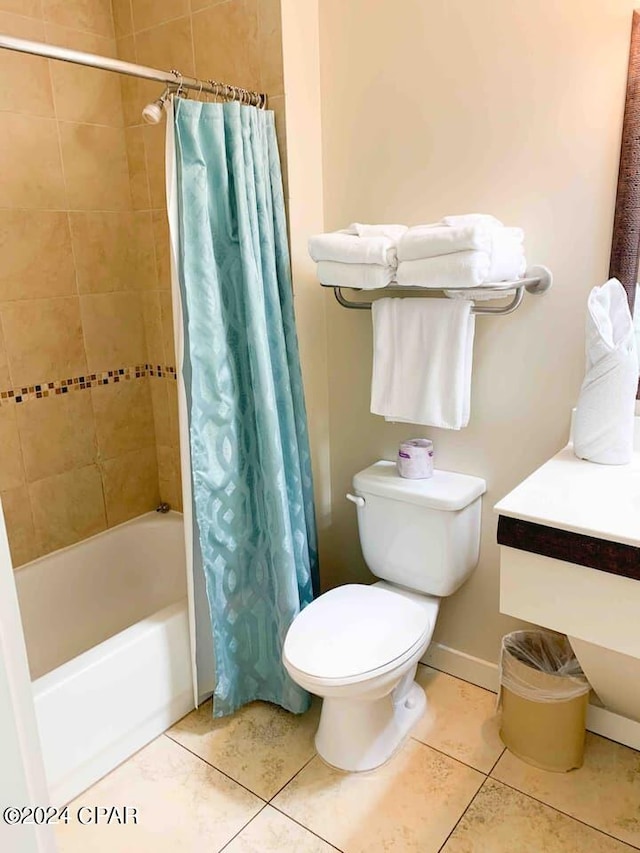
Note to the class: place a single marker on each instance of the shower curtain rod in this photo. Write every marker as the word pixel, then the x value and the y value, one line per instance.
pixel 173 79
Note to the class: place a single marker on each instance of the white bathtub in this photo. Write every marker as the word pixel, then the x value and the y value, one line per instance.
pixel 107 636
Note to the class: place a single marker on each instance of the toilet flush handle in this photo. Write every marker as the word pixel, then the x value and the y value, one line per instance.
pixel 356 499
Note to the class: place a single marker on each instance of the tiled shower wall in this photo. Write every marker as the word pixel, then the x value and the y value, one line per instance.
pixel 88 424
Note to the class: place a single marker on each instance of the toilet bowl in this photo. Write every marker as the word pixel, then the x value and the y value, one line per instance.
pixel 358 646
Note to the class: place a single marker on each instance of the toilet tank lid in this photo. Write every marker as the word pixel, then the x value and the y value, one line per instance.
pixel 446 490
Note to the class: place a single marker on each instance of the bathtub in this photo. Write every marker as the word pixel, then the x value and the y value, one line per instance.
pixel 107 635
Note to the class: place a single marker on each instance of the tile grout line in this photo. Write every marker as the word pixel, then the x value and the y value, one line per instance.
pixel 217 769
pixel 453 757
pixel 457 823
pixel 565 814
pixel 242 828
pixel 297 773
pixel 457 678
pixel 495 763
pixel 298 823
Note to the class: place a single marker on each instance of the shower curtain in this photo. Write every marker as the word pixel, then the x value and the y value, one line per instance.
pixel 250 491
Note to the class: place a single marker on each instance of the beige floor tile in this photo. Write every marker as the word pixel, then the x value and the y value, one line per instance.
pixel 183 806
pixel 273 832
pixel 411 803
pixel 261 746
pixel 460 719
pixel 604 793
pixel 500 820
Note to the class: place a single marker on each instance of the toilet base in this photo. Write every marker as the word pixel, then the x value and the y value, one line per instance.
pixel 359 734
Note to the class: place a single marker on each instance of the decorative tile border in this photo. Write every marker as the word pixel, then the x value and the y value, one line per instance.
pixel 81 383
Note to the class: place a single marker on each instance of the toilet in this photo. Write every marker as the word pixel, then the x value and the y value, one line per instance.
pixel 358 646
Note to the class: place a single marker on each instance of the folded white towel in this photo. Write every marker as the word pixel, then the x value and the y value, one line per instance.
pixel 362 276
pixel 422 358
pixel 393 232
pixel 461 269
pixel 507 254
pixel 471 219
pixel 429 241
pixel 348 249
pixel 604 419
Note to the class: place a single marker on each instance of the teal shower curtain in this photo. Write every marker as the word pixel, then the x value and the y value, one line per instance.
pixel 249 448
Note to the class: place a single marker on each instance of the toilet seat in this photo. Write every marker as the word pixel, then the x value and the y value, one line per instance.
pixel 353 633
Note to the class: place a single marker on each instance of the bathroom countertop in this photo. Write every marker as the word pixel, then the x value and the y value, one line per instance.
pixel 567 493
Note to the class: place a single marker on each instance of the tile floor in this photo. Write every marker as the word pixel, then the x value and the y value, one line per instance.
pixel 254 784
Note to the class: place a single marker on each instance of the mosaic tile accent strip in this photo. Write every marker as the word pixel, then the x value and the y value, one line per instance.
pixel 81 383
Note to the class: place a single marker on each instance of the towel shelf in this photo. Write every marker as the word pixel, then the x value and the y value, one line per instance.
pixel 538 280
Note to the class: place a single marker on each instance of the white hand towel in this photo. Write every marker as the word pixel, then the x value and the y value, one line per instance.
pixel 471 219
pixel 349 249
pixel 461 269
pixel 603 423
pixel 429 241
pixel 393 232
pixel 361 276
pixel 422 358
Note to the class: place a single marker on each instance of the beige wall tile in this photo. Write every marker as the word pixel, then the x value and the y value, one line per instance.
pixel 138 178
pixel 124 417
pixel 153 327
pixel 135 92
pixel 85 94
pixel 30 164
pixel 166 312
pixel 150 13
pixel 93 16
pixel 122 18
pixel 163 249
pixel 131 485
pixel 233 28
pixel 160 402
pixel 113 330
pixel 270 47
pixel 154 150
pixel 174 422
pixel 167 46
pixel 19 522
pixel 113 251
pixel 5 375
pixel 31 8
pixel 67 508
pixel 37 257
pixel 43 339
pixel 33 94
pixel 95 167
pixel 57 434
pixel 198 5
pixel 11 467
pixel 169 477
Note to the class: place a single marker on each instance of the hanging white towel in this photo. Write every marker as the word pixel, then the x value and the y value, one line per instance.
pixel 604 418
pixel 346 248
pixel 361 276
pixel 422 359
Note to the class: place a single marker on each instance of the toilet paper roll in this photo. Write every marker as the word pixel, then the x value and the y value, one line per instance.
pixel 415 459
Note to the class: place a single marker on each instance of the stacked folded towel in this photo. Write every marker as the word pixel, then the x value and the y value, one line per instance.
pixel 458 252
pixel 461 251
pixel 361 256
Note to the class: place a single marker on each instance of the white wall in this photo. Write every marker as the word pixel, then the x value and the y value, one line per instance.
pixel 502 106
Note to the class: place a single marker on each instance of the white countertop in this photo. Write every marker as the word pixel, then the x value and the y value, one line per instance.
pixel 583 497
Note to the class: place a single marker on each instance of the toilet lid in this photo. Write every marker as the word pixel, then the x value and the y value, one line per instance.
pixel 352 630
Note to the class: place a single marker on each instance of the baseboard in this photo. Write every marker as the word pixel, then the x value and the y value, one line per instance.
pixel 464 666
pixel 600 721
pixel 64 790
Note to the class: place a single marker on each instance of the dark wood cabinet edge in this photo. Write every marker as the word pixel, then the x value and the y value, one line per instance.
pixel 613 557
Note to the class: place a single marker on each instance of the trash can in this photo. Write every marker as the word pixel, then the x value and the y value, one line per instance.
pixel 544 696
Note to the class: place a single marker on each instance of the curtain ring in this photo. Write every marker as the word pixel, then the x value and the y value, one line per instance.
pixel 178 75
pixel 199 91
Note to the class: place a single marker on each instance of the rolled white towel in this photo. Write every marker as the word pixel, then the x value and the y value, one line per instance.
pixel 604 418
pixel 393 232
pixel 349 249
pixel 361 276
pixel 472 219
pixel 462 269
pixel 429 241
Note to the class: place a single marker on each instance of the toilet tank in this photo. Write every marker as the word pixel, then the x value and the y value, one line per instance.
pixel 420 534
